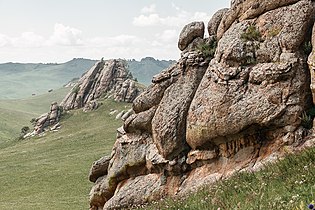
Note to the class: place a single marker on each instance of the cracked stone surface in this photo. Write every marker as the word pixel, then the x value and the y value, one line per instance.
pixel 205 118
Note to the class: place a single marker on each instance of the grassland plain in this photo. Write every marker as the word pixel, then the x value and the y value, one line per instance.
pixel 50 172
pixel 18 112
pixel 287 184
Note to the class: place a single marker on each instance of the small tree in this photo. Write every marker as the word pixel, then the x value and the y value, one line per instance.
pixel 24 131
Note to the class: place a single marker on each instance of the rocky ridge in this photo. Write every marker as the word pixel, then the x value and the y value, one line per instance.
pixel 47 121
pixel 109 79
pixel 207 117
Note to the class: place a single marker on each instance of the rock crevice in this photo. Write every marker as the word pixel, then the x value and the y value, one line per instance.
pixel 213 114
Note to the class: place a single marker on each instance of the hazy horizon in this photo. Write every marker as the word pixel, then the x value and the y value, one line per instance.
pixel 37 31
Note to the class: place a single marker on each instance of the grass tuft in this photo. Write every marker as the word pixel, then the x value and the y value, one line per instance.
pixel 288 184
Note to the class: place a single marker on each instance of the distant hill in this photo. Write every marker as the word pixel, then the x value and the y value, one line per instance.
pixel 146 68
pixel 21 80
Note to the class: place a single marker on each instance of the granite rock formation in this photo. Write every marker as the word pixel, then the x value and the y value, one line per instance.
pixel 47 121
pixel 109 79
pixel 205 118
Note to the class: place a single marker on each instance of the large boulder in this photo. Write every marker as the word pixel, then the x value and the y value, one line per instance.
pixel 48 121
pixel 189 33
pixel 215 21
pixel 248 9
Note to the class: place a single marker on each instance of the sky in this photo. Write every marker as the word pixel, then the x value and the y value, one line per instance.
pixel 58 30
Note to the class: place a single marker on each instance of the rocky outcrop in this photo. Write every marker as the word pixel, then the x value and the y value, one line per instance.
pixel 189 33
pixel 205 118
pixel 215 21
pixel 311 63
pixel 109 79
pixel 48 121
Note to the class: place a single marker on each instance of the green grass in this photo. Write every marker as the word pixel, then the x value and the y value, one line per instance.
pixel 50 172
pixel 22 80
pixel 288 184
pixel 18 112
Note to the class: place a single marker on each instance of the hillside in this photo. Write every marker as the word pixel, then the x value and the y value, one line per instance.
pixel 50 172
pixel 146 68
pixel 17 113
pixel 20 80
pixel 287 184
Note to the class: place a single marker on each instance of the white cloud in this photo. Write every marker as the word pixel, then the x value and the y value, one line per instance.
pixel 65 35
pixel 148 9
pixel 28 39
pixel 147 20
pixel 119 40
pixel 179 19
pixel 4 40
pixel 67 42
pixel 168 36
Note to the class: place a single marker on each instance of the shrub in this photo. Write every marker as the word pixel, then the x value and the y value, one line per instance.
pixel 251 34
pixel 306 120
pixel 307 47
pixel 33 121
pixel 208 49
pixel 24 131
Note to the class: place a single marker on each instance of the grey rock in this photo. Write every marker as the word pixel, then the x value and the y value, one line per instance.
pixel 204 119
pixel 214 22
pixel 127 114
pixel 99 168
pixel 120 114
pixel 48 121
pixel 189 33
pixel 109 78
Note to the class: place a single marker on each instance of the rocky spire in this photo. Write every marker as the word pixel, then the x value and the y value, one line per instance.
pixel 105 79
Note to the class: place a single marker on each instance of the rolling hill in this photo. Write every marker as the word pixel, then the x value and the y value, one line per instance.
pixel 18 80
pixel 22 80
pixel 17 113
pixel 50 172
pixel 146 68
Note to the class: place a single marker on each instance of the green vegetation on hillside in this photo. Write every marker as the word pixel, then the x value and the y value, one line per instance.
pixel 146 68
pixel 50 172
pixel 18 112
pixel 288 184
pixel 22 80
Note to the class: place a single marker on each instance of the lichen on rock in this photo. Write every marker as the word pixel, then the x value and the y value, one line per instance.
pixel 209 116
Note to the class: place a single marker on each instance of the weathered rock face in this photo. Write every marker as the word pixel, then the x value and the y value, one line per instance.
pixel 48 120
pixel 106 78
pixel 205 118
pixel 311 63
pixel 215 21
pixel 189 33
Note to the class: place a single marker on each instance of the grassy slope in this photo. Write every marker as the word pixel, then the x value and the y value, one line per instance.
pixel 289 184
pixel 22 80
pixel 146 68
pixel 17 113
pixel 50 172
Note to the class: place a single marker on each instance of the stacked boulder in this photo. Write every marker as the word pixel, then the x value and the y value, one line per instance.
pixel 211 115
pixel 49 120
pixel 105 79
